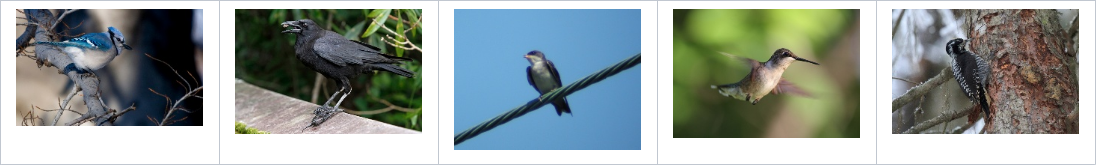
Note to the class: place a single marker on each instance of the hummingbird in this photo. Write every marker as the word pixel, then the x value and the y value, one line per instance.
pixel 544 78
pixel 763 78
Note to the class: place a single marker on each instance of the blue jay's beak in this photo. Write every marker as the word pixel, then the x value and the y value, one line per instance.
pixel 295 24
pixel 126 46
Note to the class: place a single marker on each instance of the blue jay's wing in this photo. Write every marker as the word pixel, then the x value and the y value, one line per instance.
pixel 341 51
pixel 98 41
pixel 787 87
pixel 751 62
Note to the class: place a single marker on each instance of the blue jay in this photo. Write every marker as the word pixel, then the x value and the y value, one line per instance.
pixel 92 51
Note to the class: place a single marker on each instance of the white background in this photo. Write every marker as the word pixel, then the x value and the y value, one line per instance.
pixel 648 147
pixel 201 144
pixel 21 144
pixel 986 149
pixel 765 150
pixel 332 148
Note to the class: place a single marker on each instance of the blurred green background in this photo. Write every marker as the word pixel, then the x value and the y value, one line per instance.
pixel 829 37
pixel 265 57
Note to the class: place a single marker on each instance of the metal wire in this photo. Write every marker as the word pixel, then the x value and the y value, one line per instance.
pixel 546 98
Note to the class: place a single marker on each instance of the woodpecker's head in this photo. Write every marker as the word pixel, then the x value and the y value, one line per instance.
pixel 955 46
pixel 784 57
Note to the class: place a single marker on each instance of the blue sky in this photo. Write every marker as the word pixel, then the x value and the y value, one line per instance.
pixel 490 45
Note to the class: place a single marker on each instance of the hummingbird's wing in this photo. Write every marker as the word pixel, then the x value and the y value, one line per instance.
pixel 787 87
pixel 751 62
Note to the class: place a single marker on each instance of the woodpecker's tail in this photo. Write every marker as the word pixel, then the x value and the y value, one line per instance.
pixel 985 105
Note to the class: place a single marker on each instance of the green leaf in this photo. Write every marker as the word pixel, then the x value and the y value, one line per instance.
pixel 379 16
pixel 351 33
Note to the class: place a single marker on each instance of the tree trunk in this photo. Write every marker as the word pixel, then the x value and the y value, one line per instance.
pixel 1033 87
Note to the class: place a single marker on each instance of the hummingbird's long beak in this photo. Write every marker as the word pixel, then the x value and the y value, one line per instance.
pixel 805 60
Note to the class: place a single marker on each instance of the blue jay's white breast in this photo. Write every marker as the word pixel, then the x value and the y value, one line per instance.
pixel 88 59
pixel 543 78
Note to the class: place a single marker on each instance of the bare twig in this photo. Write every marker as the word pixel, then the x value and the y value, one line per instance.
pixel 398 43
pixel 921 90
pixel 903 79
pixel 944 117
pixel 383 110
pixel 62 17
pixel 176 105
pixel 64 104
pixel 316 86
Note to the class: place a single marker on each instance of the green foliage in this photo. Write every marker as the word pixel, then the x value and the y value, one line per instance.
pixel 265 57
pixel 242 128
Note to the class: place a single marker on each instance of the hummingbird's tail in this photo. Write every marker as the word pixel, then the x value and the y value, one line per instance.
pixel 727 89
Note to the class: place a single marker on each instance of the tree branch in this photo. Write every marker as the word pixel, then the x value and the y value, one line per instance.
pixel 921 90
pixel 944 117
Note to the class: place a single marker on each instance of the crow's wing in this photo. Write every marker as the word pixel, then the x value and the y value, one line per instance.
pixel 341 51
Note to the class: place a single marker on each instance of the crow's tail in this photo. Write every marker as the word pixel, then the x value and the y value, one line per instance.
pixel 397 70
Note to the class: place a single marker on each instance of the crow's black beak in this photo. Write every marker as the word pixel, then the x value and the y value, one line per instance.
pixel 805 60
pixel 295 24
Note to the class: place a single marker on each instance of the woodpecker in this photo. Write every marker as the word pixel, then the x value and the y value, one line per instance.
pixel 763 78
pixel 970 72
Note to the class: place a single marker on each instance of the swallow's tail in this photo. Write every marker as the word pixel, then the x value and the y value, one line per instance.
pixel 562 106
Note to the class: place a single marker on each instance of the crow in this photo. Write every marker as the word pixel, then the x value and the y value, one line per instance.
pixel 338 58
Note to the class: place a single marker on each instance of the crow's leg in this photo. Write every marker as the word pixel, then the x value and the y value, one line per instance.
pixel 346 84
pixel 326 104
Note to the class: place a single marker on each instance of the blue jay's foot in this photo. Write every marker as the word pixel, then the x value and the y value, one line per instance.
pixel 82 72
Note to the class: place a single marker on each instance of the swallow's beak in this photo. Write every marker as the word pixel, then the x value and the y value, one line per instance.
pixel 528 56
pixel 805 60
pixel 295 24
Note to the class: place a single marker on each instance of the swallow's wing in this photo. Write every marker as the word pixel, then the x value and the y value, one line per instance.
pixel 555 74
pixel 787 87
pixel 751 62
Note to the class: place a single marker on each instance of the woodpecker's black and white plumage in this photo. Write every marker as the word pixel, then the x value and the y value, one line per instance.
pixel 970 72
pixel 764 78
pixel 544 77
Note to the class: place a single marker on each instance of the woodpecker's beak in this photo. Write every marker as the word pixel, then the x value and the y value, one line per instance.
pixel 805 60
pixel 295 24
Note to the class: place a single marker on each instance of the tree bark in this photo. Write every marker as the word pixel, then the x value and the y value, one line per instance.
pixel 1032 87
